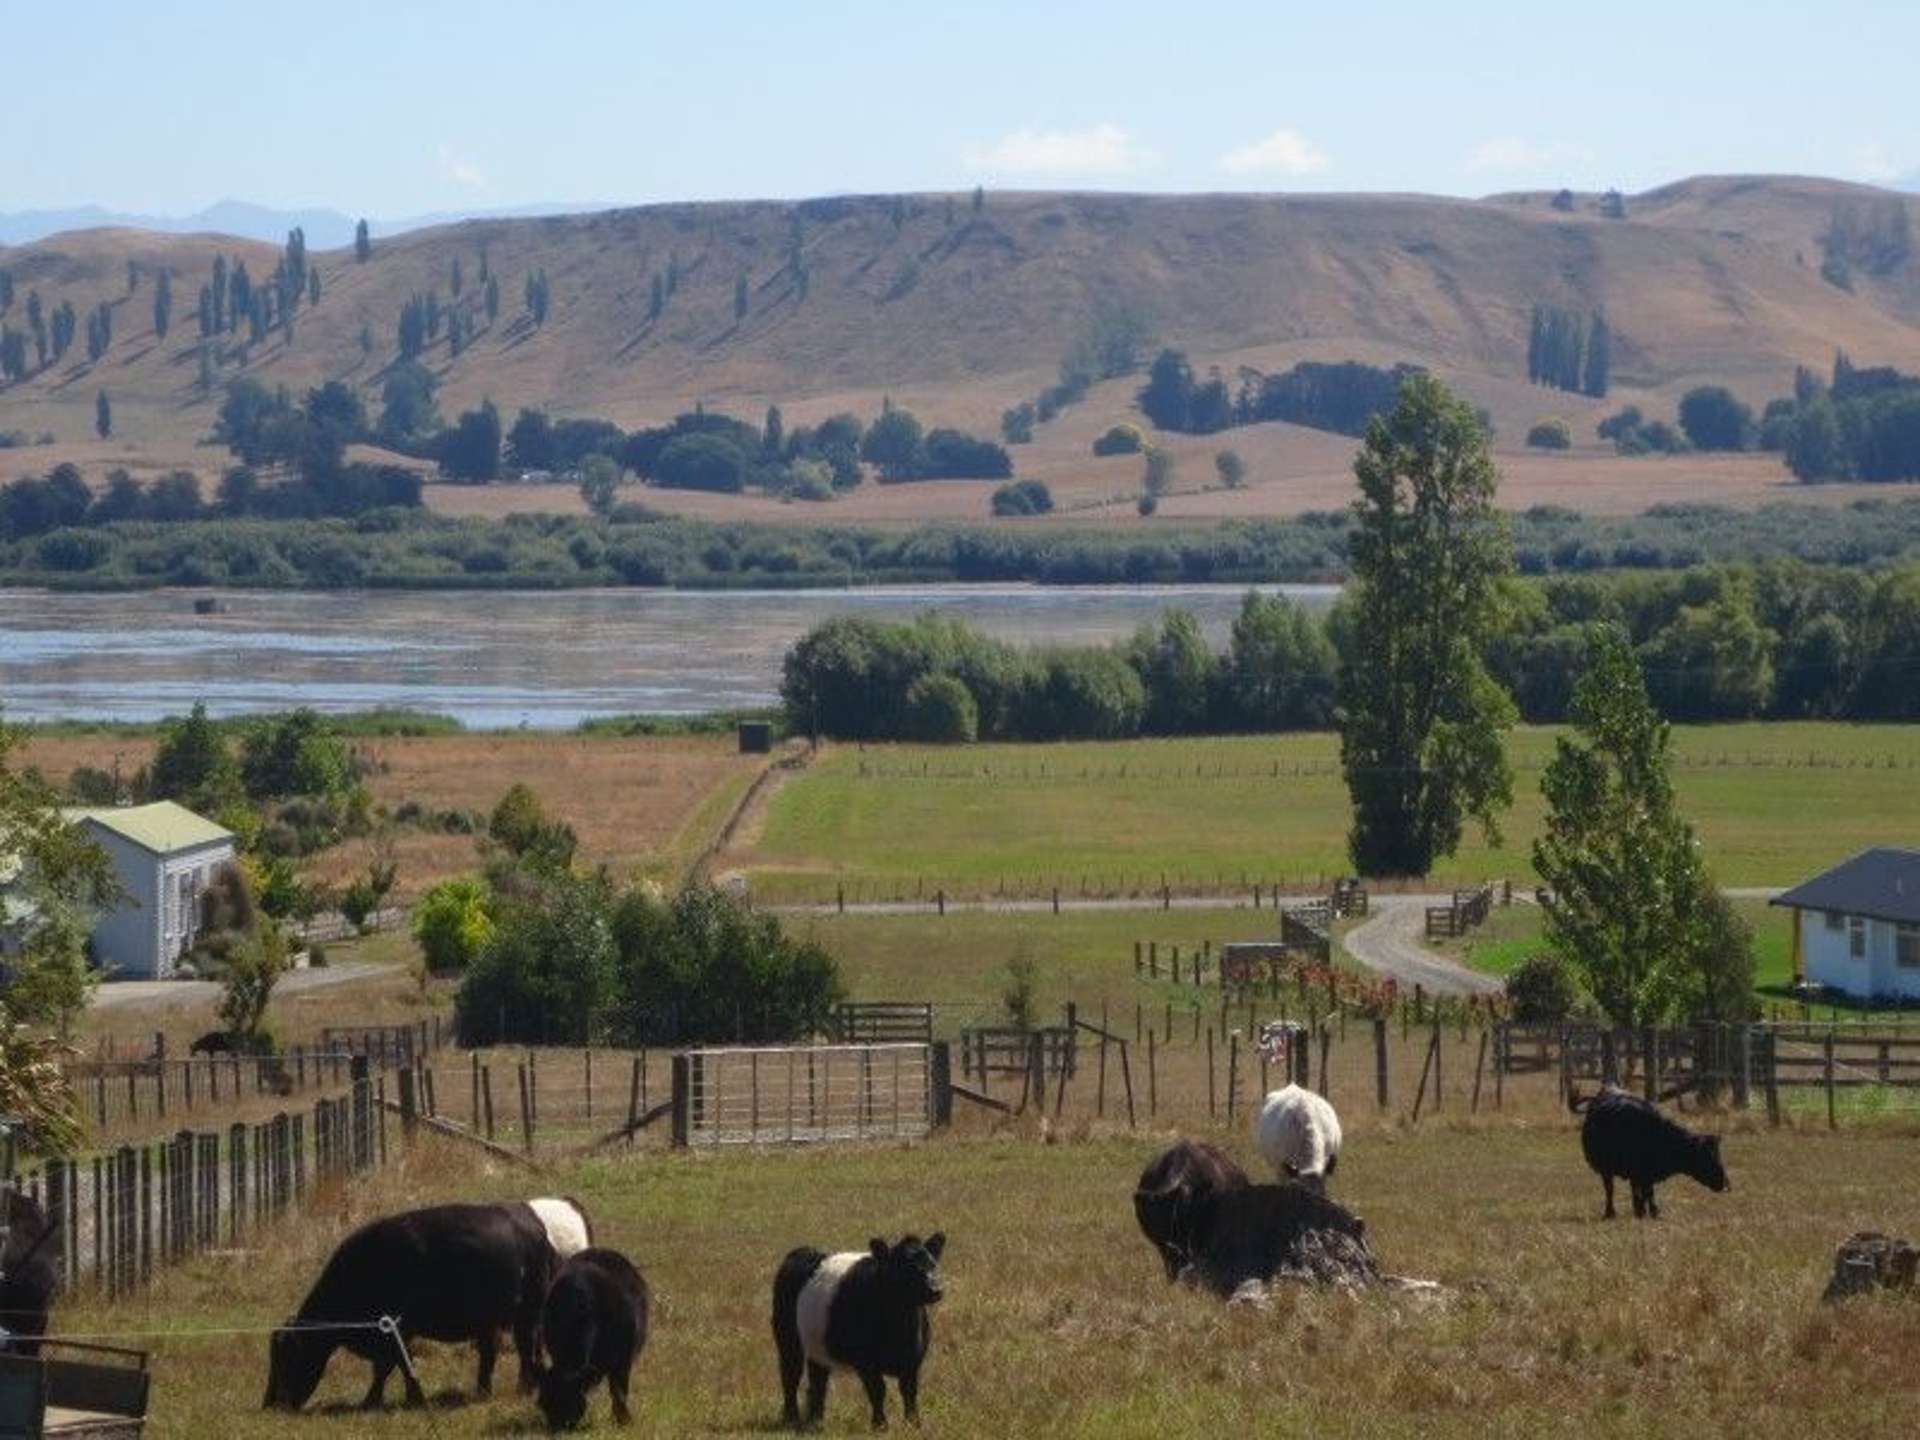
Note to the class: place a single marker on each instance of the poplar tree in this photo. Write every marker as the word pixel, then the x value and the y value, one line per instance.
pixel 1599 357
pixel 162 304
pixel 1421 742
pixel 102 415
pixel 362 243
pixel 740 297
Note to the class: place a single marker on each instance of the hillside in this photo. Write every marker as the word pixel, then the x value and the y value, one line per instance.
pixel 960 314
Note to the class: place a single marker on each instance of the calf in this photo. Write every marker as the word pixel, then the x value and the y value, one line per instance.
pixel 1258 1231
pixel 1298 1133
pixel 1171 1190
pixel 1626 1136
pixel 865 1312
pixel 594 1324
pixel 449 1273
pixel 29 1274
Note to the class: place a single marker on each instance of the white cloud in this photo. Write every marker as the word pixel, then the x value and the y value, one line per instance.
pixel 1285 152
pixel 1509 153
pixel 461 170
pixel 1096 150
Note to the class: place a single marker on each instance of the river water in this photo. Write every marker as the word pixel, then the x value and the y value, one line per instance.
pixel 494 660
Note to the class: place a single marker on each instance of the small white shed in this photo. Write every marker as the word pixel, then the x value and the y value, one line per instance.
pixel 165 857
pixel 1856 928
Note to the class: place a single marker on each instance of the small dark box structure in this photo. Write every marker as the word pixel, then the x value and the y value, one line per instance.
pixel 756 737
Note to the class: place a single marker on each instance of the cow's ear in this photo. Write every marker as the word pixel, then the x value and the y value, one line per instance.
pixel 936 1242
pixel 878 1247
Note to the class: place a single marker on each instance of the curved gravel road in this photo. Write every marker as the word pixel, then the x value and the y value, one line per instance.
pixel 1390 941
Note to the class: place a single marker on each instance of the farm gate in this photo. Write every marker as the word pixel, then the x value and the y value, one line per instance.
pixel 779 1095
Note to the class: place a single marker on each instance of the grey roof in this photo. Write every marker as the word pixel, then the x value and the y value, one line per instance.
pixel 1882 883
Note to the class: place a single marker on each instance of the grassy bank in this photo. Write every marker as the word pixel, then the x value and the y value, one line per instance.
pixel 1772 803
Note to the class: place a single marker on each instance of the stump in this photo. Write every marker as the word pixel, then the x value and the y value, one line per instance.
pixel 1867 1261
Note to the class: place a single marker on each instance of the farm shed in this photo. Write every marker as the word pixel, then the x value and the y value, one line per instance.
pixel 165 857
pixel 1856 928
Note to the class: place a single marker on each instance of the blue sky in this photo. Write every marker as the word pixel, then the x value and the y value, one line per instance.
pixel 398 108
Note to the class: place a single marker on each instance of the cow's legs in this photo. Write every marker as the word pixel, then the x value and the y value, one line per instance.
pixel 489 1347
pixel 792 1362
pixel 376 1395
pixel 526 1326
pixel 876 1386
pixel 1607 1182
pixel 1639 1200
pixel 617 1390
pixel 1653 1208
pixel 816 1392
pixel 910 1394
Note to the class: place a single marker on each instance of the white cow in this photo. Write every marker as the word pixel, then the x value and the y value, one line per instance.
pixel 1299 1134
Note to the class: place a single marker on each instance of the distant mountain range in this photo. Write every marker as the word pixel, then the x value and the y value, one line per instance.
pixel 325 229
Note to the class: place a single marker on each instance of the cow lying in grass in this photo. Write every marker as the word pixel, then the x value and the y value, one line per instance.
pixel 864 1311
pixel 1172 1191
pixel 1298 1134
pixel 449 1273
pixel 1623 1135
pixel 1260 1232
pixel 593 1324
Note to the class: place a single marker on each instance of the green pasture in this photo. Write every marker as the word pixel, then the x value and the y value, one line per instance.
pixel 1772 803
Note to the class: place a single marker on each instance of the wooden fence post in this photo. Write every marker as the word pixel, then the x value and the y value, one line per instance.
pixel 1153 1080
pixel 1773 1077
pixel 1380 1061
pixel 1210 1097
pixel 1233 1072
pixel 526 1111
pixel 409 1103
pixel 486 1096
pixel 940 1077
pixel 682 1102
pixel 1479 1069
pixel 1827 1065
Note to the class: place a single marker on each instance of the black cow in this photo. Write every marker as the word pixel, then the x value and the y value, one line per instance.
pixel 863 1311
pixel 214 1042
pixel 449 1273
pixel 29 1273
pixel 1626 1136
pixel 1257 1231
pixel 1171 1191
pixel 594 1324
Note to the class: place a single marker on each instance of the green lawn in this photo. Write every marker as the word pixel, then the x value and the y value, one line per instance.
pixel 888 820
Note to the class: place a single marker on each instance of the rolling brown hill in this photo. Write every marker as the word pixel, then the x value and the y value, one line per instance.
pixel 960 314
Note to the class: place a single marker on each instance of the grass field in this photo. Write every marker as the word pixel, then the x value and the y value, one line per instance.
pixel 1057 1321
pixel 1512 934
pixel 893 820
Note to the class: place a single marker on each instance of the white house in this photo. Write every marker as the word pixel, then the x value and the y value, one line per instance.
pixel 1856 928
pixel 165 856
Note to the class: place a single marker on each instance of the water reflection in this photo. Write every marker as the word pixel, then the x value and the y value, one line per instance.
pixel 494 660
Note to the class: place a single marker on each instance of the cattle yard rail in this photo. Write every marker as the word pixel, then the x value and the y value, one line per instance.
pixel 884 1022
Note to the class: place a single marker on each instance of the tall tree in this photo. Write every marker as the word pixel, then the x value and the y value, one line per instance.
pixel 1629 903
pixel 1421 743
pixel 1599 357
pixel 362 243
pixel 102 415
pixel 313 286
pixel 219 288
pixel 740 296
pixel 657 298
pixel 162 304
pixel 454 278
pixel 492 298
pixel 773 435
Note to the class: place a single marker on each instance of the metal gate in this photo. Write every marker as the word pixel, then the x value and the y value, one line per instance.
pixel 785 1095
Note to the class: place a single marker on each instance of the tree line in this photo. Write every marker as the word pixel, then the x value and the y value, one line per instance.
pixel 1342 397
pixel 1567 353
pixel 1780 640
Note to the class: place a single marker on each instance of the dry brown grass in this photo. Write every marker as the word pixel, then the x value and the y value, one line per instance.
pixel 638 803
pixel 1706 280
pixel 1057 1320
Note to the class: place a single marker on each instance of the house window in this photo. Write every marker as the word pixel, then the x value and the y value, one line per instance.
pixel 1906 947
pixel 1835 920
pixel 1857 937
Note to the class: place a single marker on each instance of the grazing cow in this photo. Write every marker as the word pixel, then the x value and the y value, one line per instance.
pixel 1626 1136
pixel 1171 1191
pixel 1299 1134
pixel 449 1273
pixel 1258 1231
pixel 29 1274
pixel 864 1311
pixel 594 1323
pixel 214 1042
